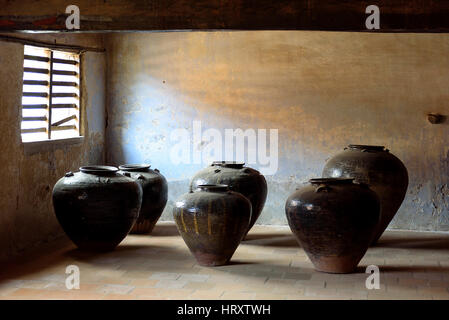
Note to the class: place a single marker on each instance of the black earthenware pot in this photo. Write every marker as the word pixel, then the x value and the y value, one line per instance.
pixel 212 220
pixel 333 220
pixel 244 180
pixel 377 167
pixel 97 207
pixel 154 197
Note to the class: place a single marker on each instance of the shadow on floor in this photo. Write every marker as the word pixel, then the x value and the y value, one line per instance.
pixel 129 256
pixel 238 263
pixel 271 240
pixel 134 257
pixel 263 271
pixel 416 268
pixel 122 251
pixel 164 230
pixel 431 243
pixel 260 236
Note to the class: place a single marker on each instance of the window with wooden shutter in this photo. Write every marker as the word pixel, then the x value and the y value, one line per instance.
pixel 51 95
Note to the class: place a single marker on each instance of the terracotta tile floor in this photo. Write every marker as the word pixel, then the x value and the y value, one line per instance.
pixel 269 265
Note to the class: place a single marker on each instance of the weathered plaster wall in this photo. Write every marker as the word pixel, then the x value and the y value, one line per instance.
pixel 322 90
pixel 26 213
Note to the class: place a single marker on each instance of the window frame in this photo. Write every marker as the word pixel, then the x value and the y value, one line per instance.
pixel 35 145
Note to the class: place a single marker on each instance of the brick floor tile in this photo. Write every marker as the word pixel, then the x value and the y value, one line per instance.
pixel 320 291
pixel 145 283
pixel 199 285
pixel 115 289
pixel 147 292
pixel 25 293
pixel 170 284
pixel 119 297
pixel 272 296
pixel 164 276
pixel 194 277
pixel 206 294
pixel 238 296
pixel 4 292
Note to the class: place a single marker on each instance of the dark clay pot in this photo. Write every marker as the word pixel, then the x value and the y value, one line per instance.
pixel 154 197
pixel 377 167
pixel 334 221
pixel 97 207
pixel 244 180
pixel 212 220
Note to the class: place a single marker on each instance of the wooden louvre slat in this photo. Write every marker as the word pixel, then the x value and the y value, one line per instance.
pixel 64 84
pixel 61 128
pixel 34 106
pixel 34 130
pixel 36 70
pixel 64 95
pixel 35 94
pixel 65 73
pixel 36 82
pixel 58 123
pixel 64 61
pixel 34 118
pixel 36 58
pixel 64 106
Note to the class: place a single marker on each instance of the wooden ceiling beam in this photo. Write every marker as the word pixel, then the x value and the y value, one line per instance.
pixel 180 15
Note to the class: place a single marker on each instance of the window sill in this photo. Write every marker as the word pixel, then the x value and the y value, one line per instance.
pixel 50 145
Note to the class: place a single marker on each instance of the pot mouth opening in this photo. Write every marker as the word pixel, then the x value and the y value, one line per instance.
pixel 229 164
pixel 134 167
pixel 213 187
pixel 366 147
pixel 332 181
pixel 99 169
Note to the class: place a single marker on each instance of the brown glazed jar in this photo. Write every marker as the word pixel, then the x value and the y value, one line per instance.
pixel 97 207
pixel 212 220
pixel 333 220
pixel 377 167
pixel 154 197
pixel 239 178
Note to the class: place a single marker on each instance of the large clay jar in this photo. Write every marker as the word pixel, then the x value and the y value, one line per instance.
pixel 377 167
pixel 212 220
pixel 239 178
pixel 154 197
pixel 97 206
pixel 333 220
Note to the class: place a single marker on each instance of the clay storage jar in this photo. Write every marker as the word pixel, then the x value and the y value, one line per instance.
pixel 212 220
pixel 97 206
pixel 333 220
pixel 154 197
pixel 239 178
pixel 377 167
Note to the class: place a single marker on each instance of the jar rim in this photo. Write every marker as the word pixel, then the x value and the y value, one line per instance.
pixel 98 169
pixel 213 187
pixel 366 147
pixel 332 181
pixel 134 167
pixel 228 164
